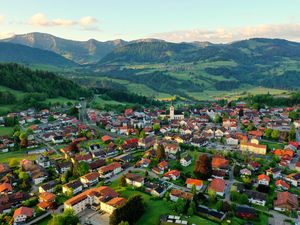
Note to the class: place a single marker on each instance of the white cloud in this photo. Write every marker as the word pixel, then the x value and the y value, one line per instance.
pixel 223 35
pixel 40 19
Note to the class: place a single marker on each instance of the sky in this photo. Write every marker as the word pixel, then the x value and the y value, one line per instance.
pixel 218 21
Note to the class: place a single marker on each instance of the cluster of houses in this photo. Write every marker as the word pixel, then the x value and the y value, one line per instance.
pixel 160 130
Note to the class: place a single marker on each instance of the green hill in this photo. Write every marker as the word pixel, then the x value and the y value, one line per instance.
pixel 22 87
pixel 32 56
pixel 188 69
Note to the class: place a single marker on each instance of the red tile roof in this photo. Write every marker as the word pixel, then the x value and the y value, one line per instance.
pixel 218 185
pixel 110 167
pixel 263 177
pixel 195 182
pixel 24 211
pixel 286 198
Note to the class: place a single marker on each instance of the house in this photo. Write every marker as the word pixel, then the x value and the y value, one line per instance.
pixel 73 187
pixel 43 161
pixel 297 166
pixel 22 214
pixel 219 163
pixel 163 165
pixel 218 186
pixel 282 185
pixel 134 179
pixel 146 142
pixel 194 182
pixel 186 161
pixel 245 212
pixel 143 163
pixel 90 179
pixel 256 197
pixel 172 148
pixel 112 204
pixel 58 139
pixel 245 172
pixel 110 170
pixel 175 194
pixel 155 189
pixel 254 166
pixel 254 148
pixel 6 188
pixel 95 165
pixel 94 198
pixel 275 172
pixel 106 139
pixel 293 179
pixel 231 140
pixel 46 201
pixel 172 175
pixel 263 179
pixel 48 187
pixel 285 201
pixel 62 167
pixel 38 175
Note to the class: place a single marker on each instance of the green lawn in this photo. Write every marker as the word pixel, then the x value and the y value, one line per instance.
pixel 155 207
pixel 18 155
pixel 262 220
pixel 6 131
pixel 272 145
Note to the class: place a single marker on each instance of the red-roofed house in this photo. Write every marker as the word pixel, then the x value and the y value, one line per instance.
pixel 106 139
pixel 263 179
pixel 6 188
pixel 190 182
pixel 110 170
pixel 217 185
pixel 172 175
pixel 282 185
pixel 285 201
pixel 22 214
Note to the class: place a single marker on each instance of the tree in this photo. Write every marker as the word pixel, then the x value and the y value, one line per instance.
pixel 192 208
pixel 218 119
pixel 275 135
pixel 268 133
pixel 292 134
pixel 193 190
pixel 160 152
pixel 80 169
pixel 226 207
pixel 212 195
pixel 180 205
pixel 203 167
pixel 67 217
pixel 142 134
pixel 122 181
pixel 131 211
pixel 156 127
pixel 13 163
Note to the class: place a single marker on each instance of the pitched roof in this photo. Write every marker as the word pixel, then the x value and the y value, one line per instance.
pixel 23 211
pixel 218 185
pixel 47 197
pixel 282 183
pixel 175 173
pixel 284 198
pixel 181 194
pixel 5 187
pixel 109 167
pixel 91 176
pixel 116 201
pixel 219 162
pixel 263 177
pixel 103 191
pixel 195 182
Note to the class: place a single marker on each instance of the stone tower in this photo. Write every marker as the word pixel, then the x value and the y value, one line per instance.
pixel 172 112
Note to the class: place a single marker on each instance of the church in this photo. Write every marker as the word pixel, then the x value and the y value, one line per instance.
pixel 172 115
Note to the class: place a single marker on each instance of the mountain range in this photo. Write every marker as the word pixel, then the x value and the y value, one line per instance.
pixel 158 68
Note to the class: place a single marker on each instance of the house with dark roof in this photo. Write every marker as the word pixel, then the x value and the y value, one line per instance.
pixel 256 197
pixel 245 212
pixel 48 187
pixel 74 187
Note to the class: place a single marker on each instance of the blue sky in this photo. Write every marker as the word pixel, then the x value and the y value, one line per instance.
pixel 173 20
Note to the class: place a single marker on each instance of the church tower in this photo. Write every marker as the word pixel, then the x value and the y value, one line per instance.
pixel 172 112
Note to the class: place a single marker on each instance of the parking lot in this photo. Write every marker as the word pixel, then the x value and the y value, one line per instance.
pixel 90 217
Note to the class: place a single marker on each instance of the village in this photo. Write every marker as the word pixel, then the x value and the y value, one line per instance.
pixel 210 165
